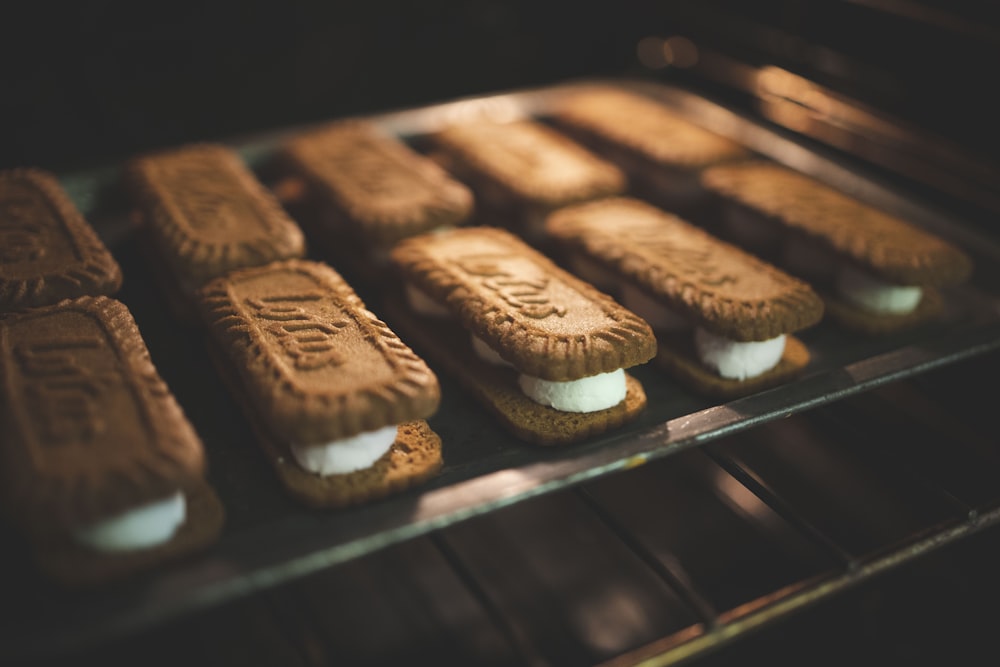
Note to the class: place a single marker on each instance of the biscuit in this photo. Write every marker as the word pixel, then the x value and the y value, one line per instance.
pixel 543 323
pixel 373 185
pixel 879 273
pixel 91 434
pixel 48 251
pixel 660 151
pixel 520 171
pixel 203 213
pixel 680 275
pixel 313 367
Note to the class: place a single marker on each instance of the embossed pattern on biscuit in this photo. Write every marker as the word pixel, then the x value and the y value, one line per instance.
pixel 535 163
pixel 90 429
pixel 210 213
pixel 545 321
pixel 380 183
pixel 48 252
pixel 730 292
pixel 892 248
pixel 645 126
pixel 311 358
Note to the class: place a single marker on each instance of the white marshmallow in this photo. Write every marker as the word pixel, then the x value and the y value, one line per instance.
pixel 874 295
pixel 658 316
pixel 347 454
pixel 139 528
pixel 736 360
pixel 589 394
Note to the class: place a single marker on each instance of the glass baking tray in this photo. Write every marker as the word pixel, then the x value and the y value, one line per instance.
pixel 270 539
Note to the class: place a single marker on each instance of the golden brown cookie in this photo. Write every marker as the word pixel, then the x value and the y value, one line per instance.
pixel 312 366
pixel 818 227
pixel 48 251
pixel 522 170
pixel 91 433
pixel 542 321
pixel 660 151
pixel 203 213
pixel 699 280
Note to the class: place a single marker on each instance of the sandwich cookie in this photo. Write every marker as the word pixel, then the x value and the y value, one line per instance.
pixel 362 189
pixel 101 470
pixel 523 170
pixel 48 251
pixel 337 401
pixel 543 350
pixel 203 213
pixel 723 318
pixel 661 152
pixel 878 274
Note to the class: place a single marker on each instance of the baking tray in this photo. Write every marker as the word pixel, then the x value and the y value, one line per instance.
pixel 270 539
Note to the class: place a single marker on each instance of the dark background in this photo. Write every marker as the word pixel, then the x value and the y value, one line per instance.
pixel 84 83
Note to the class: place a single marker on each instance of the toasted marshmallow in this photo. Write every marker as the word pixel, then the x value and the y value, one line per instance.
pixel 874 295
pixel 589 394
pixel 660 317
pixel 139 528
pixel 737 360
pixel 347 454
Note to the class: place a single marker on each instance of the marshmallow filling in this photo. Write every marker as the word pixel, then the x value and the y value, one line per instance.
pixel 730 359
pixel 347 454
pixel 869 293
pixel 735 360
pixel 139 528
pixel 589 394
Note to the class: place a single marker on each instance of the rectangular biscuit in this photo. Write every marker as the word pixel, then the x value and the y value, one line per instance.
pixel 539 319
pixel 374 183
pixel 48 251
pixel 92 432
pixel 312 366
pixel 660 151
pixel 701 281
pixel 848 249
pixel 524 169
pixel 203 213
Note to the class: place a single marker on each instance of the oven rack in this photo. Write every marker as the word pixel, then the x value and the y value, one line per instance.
pixel 268 540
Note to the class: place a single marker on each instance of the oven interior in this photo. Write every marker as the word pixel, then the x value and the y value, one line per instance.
pixel 850 515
